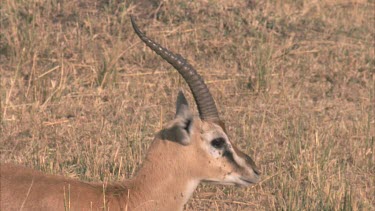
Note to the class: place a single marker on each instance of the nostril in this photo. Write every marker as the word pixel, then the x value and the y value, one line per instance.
pixel 256 171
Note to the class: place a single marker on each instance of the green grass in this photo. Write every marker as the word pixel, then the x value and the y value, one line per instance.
pixel 83 97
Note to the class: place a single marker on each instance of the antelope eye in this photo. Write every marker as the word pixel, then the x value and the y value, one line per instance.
pixel 218 143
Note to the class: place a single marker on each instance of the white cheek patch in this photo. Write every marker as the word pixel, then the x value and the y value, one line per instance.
pixel 214 152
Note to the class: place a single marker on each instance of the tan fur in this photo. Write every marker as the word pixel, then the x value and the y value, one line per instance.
pixel 165 181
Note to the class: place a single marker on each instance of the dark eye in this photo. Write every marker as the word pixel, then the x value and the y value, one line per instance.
pixel 218 143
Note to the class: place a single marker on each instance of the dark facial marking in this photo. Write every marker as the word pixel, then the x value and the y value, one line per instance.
pixel 248 160
pixel 229 155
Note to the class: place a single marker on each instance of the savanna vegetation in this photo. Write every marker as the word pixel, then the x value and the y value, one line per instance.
pixel 82 96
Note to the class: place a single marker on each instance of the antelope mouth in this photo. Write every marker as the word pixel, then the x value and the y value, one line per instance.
pixel 248 181
pixel 212 181
pixel 235 180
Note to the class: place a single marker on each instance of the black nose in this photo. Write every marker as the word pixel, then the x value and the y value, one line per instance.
pixel 256 171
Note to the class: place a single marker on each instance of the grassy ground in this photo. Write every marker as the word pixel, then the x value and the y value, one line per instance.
pixel 82 96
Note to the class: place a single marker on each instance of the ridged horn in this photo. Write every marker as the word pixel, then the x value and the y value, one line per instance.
pixel 203 98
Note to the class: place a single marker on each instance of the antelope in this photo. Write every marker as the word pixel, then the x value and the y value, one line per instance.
pixel 188 151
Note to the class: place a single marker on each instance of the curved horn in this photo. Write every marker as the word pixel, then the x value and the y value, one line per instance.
pixel 205 103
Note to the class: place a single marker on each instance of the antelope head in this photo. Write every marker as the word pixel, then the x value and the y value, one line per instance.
pixel 200 145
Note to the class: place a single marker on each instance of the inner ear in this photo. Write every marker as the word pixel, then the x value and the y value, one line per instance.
pixel 184 117
pixel 188 125
pixel 180 131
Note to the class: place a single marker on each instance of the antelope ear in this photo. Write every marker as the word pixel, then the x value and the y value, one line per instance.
pixel 182 106
pixel 180 131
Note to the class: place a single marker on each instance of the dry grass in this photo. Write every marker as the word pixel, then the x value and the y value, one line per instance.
pixel 82 96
